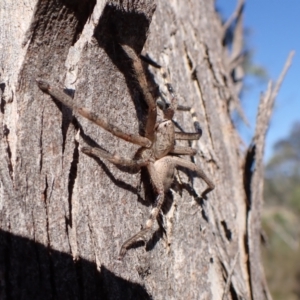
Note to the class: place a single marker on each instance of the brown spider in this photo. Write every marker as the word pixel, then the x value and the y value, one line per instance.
pixel 157 146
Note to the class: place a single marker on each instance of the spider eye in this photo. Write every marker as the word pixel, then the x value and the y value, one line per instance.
pixel 170 89
pixel 161 104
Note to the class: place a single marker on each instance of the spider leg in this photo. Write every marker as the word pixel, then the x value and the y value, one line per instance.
pixel 187 136
pixel 194 117
pixel 173 106
pixel 159 188
pixel 183 150
pixel 117 160
pixel 190 135
pixel 141 78
pixel 173 101
pixel 170 108
pixel 61 96
pixel 191 166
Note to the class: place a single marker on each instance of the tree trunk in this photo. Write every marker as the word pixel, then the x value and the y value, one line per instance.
pixel 64 215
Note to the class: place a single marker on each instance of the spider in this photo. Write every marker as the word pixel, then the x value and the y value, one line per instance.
pixel 158 152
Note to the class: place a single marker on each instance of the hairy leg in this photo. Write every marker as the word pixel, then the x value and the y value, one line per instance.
pixel 183 150
pixel 61 96
pixel 194 117
pixel 159 188
pixel 170 108
pixel 141 78
pixel 117 160
pixel 191 166
pixel 190 136
pixel 173 101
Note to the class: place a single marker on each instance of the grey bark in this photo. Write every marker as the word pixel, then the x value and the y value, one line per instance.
pixel 65 215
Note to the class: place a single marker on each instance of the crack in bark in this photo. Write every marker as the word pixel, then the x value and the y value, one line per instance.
pixel 67 117
pixel 41 141
pixel 8 150
pixel 51 266
pixel 2 102
pixel 72 179
pixel 248 172
pixel 227 231
pixel 45 192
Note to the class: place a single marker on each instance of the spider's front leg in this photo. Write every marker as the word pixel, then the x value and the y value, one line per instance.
pixel 159 188
pixel 172 105
pixel 61 96
pixel 142 80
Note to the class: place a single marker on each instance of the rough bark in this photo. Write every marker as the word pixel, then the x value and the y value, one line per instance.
pixel 65 215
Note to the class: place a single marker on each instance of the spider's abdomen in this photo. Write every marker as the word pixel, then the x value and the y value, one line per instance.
pixel 165 170
pixel 164 139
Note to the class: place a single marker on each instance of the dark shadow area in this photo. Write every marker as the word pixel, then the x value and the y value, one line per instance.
pixel 58 10
pixel 119 27
pixel 67 116
pixel 234 295
pixel 67 119
pixel 55 27
pixel 82 11
pixel 200 200
pixel 227 231
pixel 120 183
pixel 161 231
pixel 2 101
pixel 30 270
pixel 248 172
pixel 156 236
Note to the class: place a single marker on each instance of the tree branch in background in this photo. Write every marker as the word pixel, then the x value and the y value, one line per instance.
pixel 235 15
pixel 256 170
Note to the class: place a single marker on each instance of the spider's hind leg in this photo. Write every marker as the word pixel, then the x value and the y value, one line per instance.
pixel 159 188
pixel 177 161
pixel 115 159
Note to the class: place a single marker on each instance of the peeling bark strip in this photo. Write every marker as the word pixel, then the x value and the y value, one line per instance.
pixel 255 170
pixel 64 215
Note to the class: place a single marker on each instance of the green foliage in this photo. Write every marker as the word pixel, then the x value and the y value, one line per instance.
pixel 282 270
pixel 295 198
pixel 281 218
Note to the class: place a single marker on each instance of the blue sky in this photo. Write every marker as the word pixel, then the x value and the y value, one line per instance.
pixel 274 27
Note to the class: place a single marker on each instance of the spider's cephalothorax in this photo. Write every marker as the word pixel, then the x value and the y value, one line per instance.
pixel 163 139
pixel 158 153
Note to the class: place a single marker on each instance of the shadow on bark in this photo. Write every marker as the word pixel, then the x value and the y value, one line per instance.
pixel 30 270
pixel 117 26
